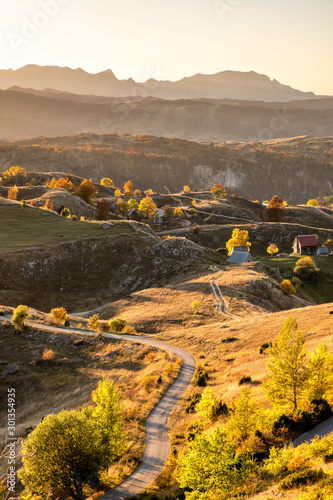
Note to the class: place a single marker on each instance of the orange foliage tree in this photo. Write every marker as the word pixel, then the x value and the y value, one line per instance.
pixel 275 209
pixel 87 190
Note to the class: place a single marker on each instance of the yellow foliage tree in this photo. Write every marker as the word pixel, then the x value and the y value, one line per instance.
pixel 287 287
pixel 12 193
pixel 14 174
pixel 178 213
pixel 107 182
pixel 61 183
pixel 186 189
pixel 147 207
pixel 217 191
pixel 238 238
pixel 272 249
pixel 59 314
pixel 128 189
pixel 313 203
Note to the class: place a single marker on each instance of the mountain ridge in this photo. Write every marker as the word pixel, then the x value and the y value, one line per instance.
pixel 224 84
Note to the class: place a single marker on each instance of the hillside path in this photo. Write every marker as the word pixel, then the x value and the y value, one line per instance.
pixel 157 441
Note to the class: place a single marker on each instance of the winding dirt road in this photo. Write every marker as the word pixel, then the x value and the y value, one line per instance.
pixel 157 441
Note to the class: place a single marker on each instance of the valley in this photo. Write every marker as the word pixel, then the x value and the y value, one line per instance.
pixel 161 280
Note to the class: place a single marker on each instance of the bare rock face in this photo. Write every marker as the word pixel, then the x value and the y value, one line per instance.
pixel 177 248
pixel 10 370
pixel 105 225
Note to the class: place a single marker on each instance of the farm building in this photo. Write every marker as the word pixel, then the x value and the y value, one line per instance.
pixel 305 244
pixel 322 252
pixel 240 256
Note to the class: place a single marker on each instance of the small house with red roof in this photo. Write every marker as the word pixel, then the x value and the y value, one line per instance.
pixel 306 244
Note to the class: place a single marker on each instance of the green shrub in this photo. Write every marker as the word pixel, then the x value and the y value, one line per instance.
pixel 299 478
pixel 195 398
pixel 193 429
pixel 200 378
pixel 321 411
pixel 264 346
pixel 245 380
pixel 228 340
pixel 328 457
pixel 65 212
pixel 117 324
pixel 220 408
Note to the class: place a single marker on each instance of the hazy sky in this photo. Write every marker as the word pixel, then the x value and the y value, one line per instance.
pixel 290 40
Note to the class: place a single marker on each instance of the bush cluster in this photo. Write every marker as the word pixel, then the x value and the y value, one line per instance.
pixel 200 378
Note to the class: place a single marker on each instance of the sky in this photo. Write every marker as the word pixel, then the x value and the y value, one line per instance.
pixel 288 40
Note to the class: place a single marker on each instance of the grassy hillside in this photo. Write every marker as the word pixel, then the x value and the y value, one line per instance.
pixel 26 227
pixel 297 170
pixel 321 290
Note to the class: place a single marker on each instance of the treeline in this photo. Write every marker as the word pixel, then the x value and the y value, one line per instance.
pixel 162 163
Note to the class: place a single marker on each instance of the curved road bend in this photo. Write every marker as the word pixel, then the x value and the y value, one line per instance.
pixel 157 441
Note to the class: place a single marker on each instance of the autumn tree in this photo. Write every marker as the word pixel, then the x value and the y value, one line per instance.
pixel 306 269
pixel 217 191
pixel 211 467
pixel 287 368
pixel 238 238
pixel 186 189
pixel 65 453
pixel 137 192
pixel 147 207
pixel 313 203
pixel 62 183
pixel 12 193
pixel 94 323
pixel 272 249
pixel 244 416
pixel 87 190
pixel 19 316
pixel 14 175
pixel 103 209
pixel 107 182
pixel 206 407
pixel 168 211
pixel 59 314
pixel 128 189
pixel 275 209
pixel 320 373
pixel 287 287
pixel 122 207
pixel 48 205
pixel 178 213
pixel 117 193
pixel 329 244
pixel 133 204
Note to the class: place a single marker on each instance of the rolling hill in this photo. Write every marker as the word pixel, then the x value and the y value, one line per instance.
pixel 30 113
